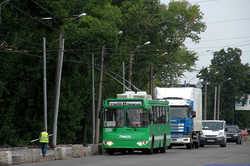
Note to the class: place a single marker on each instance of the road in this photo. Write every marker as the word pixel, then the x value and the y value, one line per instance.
pixel 210 155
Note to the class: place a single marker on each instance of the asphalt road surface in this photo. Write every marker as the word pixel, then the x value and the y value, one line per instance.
pixel 210 155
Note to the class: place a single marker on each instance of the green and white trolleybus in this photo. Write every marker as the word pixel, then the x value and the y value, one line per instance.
pixel 136 124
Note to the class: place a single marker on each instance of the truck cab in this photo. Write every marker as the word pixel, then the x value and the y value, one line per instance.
pixel 181 122
pixel 185 113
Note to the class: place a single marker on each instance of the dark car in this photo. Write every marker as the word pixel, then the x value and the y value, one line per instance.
pixel 233 134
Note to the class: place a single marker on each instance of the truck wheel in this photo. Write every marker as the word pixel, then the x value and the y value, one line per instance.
pixel 224 144
pixel 189 146
pixel 238 141
pixel 197 144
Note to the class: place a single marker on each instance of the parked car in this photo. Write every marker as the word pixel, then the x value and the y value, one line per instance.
pixel 248 130
pixel 244 132
pixel 233 134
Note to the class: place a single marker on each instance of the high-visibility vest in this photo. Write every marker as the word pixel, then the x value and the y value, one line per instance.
pixel 44 138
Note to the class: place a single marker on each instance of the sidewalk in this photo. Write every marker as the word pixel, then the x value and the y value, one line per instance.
pixel 20 155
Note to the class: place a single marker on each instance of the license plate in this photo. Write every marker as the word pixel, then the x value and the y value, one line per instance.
pixel 210 140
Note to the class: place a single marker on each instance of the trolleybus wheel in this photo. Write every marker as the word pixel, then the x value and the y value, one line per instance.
pixel 163 149
pixel 110 152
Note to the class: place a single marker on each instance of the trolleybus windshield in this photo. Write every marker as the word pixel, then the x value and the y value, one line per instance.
pixel 114 118
pixel 137 118
pixel 134 118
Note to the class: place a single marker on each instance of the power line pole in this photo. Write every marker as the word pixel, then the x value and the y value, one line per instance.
pixel 45 84
pixel 58 85
pixel 93 97
pixel 100 97
pixel 218 104
pixel 205 101
pixel 215 99
pixel 131 59
pixel 123 75
pixel 151 87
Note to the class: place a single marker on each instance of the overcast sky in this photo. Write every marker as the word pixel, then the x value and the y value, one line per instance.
pixel 228 25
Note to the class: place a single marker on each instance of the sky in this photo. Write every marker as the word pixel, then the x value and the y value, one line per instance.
pixel 228 25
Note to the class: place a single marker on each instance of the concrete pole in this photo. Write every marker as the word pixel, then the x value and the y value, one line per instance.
pixel 123 75
pixel 93 97
pixel 45 84
pixel 100 97
pixel 218 104
pixel 131 59
pixel 0 14
pixel 58 86
pixel 151 88
pixel 205 101
pixel 215 99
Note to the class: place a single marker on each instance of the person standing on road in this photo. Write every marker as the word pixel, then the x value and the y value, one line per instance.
pixel 44 140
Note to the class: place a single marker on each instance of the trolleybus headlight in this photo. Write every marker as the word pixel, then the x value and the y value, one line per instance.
pixel 109 143
pixel 140 143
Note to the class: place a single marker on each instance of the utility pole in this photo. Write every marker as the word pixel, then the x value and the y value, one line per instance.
pixel 58 85
pixel 131 59
pixel 123 75
pixel 100 97
pixel 93 97
pixel 0 14
pixel 215 99
pixel 151 87
pixel 205 101
pixel 218 104
pixel 45 84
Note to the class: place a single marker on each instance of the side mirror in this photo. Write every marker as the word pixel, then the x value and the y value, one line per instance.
pixel 100 115
pixel 150 117
pixel 193 114
pixel 225 129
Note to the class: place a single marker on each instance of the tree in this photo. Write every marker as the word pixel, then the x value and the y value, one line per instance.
pixel 227 71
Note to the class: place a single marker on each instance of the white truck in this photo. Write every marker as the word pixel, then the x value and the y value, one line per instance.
pixel 185 113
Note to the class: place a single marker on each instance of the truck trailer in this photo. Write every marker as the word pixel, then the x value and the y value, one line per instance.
pixel 185 114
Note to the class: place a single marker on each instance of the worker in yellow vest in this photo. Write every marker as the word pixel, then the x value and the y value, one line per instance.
pixel 44 140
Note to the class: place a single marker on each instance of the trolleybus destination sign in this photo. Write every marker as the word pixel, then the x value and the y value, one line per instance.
pixel 125 103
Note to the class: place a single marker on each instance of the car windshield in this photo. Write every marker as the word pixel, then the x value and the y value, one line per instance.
pixel 137 118
pixel 179 112
pixel 212 126
pixel 232 130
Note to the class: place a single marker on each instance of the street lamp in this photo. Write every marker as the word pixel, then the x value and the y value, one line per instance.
pixel 131 59
pixel 76 16
pixel 58 76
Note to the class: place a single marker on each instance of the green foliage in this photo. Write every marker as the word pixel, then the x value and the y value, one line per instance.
pixel 21 32
pixel 227 71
